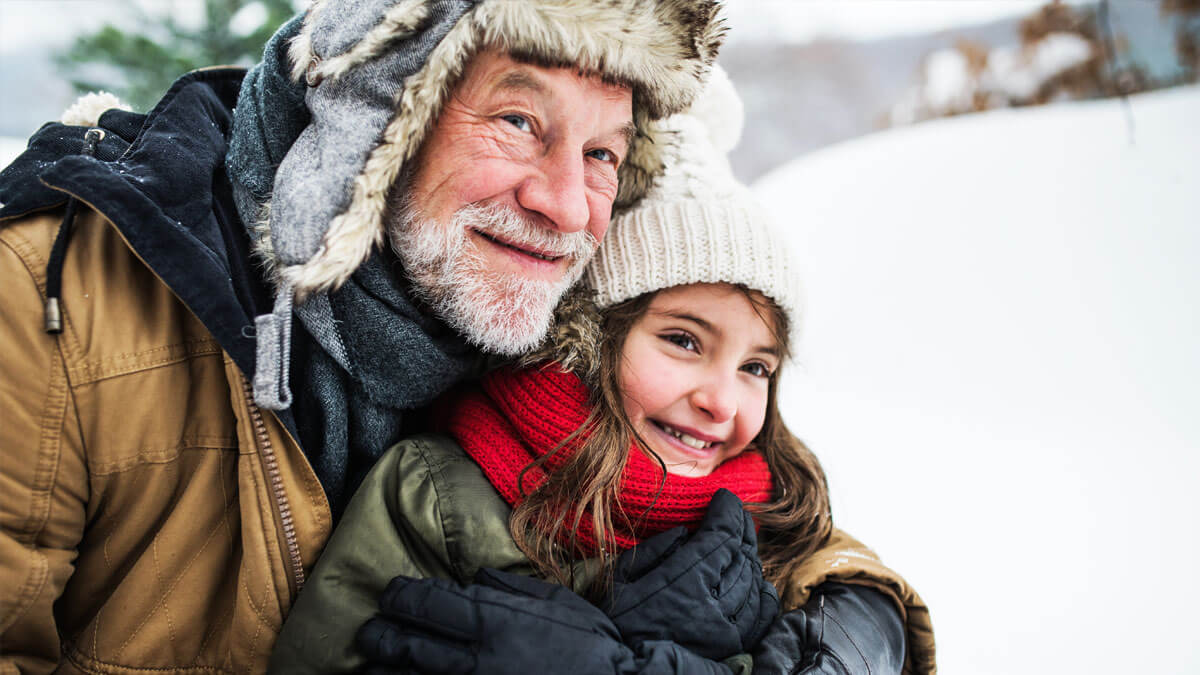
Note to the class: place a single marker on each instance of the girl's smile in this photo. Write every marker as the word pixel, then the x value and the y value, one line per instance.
pixel 695 373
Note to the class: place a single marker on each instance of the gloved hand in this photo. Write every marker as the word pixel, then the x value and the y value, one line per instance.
pixel 841 630
pixel 507 624
pixel 705 592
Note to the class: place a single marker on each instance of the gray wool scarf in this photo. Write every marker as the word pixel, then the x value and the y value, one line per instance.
pixel 367 354
pixel 397 358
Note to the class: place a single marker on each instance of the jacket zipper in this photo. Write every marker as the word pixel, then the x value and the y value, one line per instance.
pixel 283 507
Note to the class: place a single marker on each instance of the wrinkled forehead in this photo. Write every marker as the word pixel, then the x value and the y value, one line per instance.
pixel 508 69
pixel 540 61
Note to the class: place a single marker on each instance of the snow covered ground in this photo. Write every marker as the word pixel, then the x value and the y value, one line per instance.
pixel 1000 371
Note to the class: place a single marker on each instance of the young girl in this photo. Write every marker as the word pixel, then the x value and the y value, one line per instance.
pixel 580 465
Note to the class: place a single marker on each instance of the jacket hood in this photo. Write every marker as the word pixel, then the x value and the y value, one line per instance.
pixel 375 74
pixel 159 178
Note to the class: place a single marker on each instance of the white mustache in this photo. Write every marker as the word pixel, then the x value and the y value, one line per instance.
pixel 505 314
pixel 503 223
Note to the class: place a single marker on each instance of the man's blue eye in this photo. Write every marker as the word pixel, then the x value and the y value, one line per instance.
pixel 518 122
pixel 601 154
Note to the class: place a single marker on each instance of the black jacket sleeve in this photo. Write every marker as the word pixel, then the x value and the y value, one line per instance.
pixel 841 630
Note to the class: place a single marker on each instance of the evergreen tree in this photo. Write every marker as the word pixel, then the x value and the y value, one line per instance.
pixel 139 64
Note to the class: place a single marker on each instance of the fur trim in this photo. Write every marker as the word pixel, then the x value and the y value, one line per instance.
pixel 87 109
pixel 574 338
pixel 354 234
pixel 662 48
pixel 261 248
pixel 398 23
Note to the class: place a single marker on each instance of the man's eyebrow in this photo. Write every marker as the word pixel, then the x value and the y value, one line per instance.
pixel 520 80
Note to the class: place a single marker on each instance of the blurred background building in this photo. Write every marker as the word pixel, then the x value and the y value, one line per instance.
pixel 996 203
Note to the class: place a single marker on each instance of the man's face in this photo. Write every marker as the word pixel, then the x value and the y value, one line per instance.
pixel 512 191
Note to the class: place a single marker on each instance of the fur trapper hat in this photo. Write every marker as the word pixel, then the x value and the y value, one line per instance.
pixel 379 71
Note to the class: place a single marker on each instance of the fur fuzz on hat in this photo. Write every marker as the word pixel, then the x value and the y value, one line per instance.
pixel 663 48
pixel 87 109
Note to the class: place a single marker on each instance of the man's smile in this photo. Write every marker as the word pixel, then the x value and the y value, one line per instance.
pixel 548 256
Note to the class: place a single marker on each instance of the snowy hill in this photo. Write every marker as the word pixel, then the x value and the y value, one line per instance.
pixel 1000 373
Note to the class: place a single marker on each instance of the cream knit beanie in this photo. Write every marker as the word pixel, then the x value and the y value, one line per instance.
pixel 697 223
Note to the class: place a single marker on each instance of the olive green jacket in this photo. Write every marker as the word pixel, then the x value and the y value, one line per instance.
pixel 427 510
pixel 424 510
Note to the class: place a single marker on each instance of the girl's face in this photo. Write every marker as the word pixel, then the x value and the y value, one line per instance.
pixel 694 375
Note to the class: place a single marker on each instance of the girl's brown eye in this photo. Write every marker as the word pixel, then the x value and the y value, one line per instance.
pixel 757 369
pixel 681 340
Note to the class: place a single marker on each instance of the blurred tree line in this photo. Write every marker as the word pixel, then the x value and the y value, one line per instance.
pixel 1065 52
pixel 139 63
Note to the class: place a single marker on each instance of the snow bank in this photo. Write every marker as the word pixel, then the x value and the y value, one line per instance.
pixel 1001 373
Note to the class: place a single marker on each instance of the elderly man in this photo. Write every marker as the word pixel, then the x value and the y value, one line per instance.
pixel 174 455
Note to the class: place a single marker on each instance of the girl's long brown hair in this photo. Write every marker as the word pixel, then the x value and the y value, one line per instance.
pixel 793 524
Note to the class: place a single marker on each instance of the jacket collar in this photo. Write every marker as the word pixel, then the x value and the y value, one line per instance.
pixel 160 179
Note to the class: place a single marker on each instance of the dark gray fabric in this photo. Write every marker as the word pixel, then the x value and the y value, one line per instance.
pixel 399 359
pixel 270 114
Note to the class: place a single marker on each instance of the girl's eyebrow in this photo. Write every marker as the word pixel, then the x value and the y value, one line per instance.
pixel 690 317
pixel 770 350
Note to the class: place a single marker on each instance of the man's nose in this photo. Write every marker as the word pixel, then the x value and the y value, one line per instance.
pixel 557 190
pixel 715 397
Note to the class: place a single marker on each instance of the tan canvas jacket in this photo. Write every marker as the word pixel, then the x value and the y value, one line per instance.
pixel 152 518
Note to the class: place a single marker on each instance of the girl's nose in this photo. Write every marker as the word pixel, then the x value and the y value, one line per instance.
pixel 715 397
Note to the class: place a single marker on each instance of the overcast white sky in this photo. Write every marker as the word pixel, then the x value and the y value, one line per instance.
pixel 33 22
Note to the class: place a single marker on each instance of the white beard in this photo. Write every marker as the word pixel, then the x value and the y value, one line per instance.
pixel 501 314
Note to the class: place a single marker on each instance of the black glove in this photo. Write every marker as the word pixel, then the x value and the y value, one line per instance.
pixel 841 630
pixel 705 592
pixel 506 624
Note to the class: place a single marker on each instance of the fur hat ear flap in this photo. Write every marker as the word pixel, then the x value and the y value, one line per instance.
pixel 643 164
pixel 574 338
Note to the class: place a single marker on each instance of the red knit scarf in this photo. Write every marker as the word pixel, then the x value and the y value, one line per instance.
pixel 519 416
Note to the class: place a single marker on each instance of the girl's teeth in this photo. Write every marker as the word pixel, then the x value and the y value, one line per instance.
pixel 687 440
